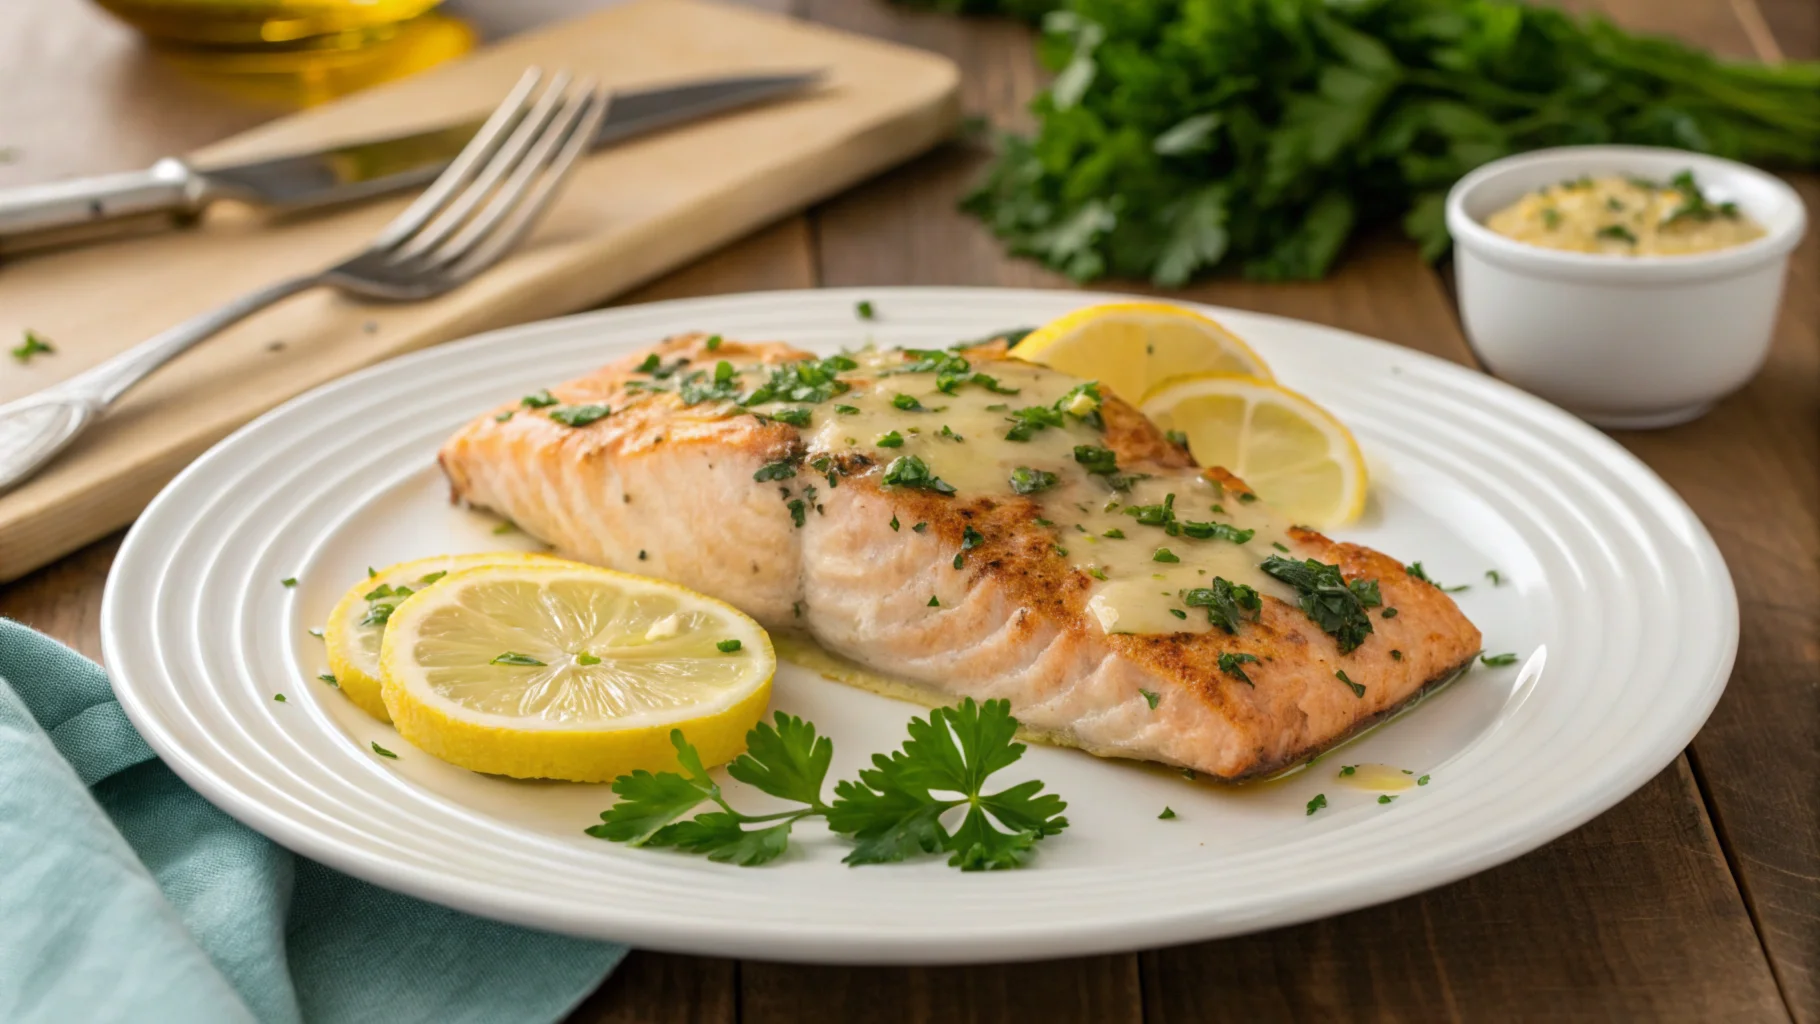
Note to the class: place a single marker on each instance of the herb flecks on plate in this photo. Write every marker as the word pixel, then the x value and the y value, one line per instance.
pixel 890 813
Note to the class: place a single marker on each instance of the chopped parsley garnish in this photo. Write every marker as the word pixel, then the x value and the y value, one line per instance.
pixel 1694 204
pixel 288 581
pixel 1396 655
pixel 948 432
pixel 727 646
pixel 891 439
pixel 1097 460
pixel 580 415
pixel 934 602
pixel 1247 498
pixel 1025 480
pixel 279 697
pixel 1218 531
pixel 1166 815
pixel 1178 613
pixel 430 578
pixel 847 410
pixel 33 345
pixel 1115 533
pixel 329 679
pixel 798 417
pixel 1423 781
pixel 810 380
pixel 863 309
pixel 1150 698
pixel 1227 603
pixel 971 538
pixel 1618 232
pixel 1230 663
pixel 920 527
pixel 503 417
pixel 1498 660
pixel 1165 555
pixel 383 752
pixel 515 658
pixel 713 343
pixel 1319 801
pixel 381 602
pixel 1336 606
pixel 1096 572
pixel 1551 218
pixel 538 399
pixel 960 559
pixel 781 470
pixel 504 528
pixel 907 403
pixel 650 364
pixel 1348 769
pixel 1389 613
pixel 894 523
pixel 1358 689
pixel 890 813
pixel 1026 422
pixel 910 471
pixel 1177 438
pixel 584 658
pixel 1496 578
pixel 1280 546
pixel 798 511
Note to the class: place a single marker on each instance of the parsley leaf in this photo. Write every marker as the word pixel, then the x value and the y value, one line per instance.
pixel 1025 480
pixel 1336 606
pixel 891 812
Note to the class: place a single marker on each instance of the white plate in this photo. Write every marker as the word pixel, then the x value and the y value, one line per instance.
pixel 1609 580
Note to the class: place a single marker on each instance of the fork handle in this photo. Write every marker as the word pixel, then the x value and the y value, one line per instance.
pixel 167 186
pixel 107 381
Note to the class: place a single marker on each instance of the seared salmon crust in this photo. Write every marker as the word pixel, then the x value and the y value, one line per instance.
pixel 669 490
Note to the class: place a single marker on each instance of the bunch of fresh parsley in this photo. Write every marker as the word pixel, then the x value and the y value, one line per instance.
pixel 1184 135
pixel 893 811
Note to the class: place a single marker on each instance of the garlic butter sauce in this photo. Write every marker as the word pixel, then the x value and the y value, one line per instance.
pixel 1140 571
pixel 1626 216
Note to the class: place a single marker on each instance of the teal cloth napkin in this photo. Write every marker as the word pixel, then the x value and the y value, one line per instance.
pixel 124 895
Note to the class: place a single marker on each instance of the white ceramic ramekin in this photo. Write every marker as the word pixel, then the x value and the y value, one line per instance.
pixel 1622 341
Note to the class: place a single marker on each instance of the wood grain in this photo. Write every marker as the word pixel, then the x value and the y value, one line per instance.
pixel 623 218
pixel 1634 916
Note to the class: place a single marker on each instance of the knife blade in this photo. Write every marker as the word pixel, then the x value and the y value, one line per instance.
pixel 351 171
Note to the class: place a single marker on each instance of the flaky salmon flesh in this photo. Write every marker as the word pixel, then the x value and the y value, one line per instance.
pixel 973 525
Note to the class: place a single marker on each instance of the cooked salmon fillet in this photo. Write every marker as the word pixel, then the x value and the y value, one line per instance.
pixel 808 517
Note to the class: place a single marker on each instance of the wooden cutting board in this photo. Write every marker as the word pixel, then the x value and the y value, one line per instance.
pixel 628 214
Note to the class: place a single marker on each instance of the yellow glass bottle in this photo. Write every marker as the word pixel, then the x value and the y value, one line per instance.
pixel 297 52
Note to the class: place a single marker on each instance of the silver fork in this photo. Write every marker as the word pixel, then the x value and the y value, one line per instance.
pixel 467 220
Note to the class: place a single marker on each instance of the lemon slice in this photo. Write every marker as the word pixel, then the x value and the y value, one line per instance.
pixel 1292 452
pixel 566 671
pixel 354 628
pixel 1131 346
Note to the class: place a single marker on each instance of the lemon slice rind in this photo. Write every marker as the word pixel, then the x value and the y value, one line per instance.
pixel 446 697
pixel 1131 346
pixel 1323 487
pixel 353 648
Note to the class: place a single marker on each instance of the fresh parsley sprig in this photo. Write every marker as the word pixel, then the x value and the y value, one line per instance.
pixel 891 811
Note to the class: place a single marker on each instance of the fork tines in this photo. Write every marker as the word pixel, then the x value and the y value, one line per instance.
pixel 495 190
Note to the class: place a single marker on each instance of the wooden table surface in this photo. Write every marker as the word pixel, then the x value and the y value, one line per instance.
pixel 1698 898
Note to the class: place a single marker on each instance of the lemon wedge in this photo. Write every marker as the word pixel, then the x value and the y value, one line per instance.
pixel 1292 452
pixel 567 671
pixel 357 624
pixel 1131 346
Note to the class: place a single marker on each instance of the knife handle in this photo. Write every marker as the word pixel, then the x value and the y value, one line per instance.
pixel 167 186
